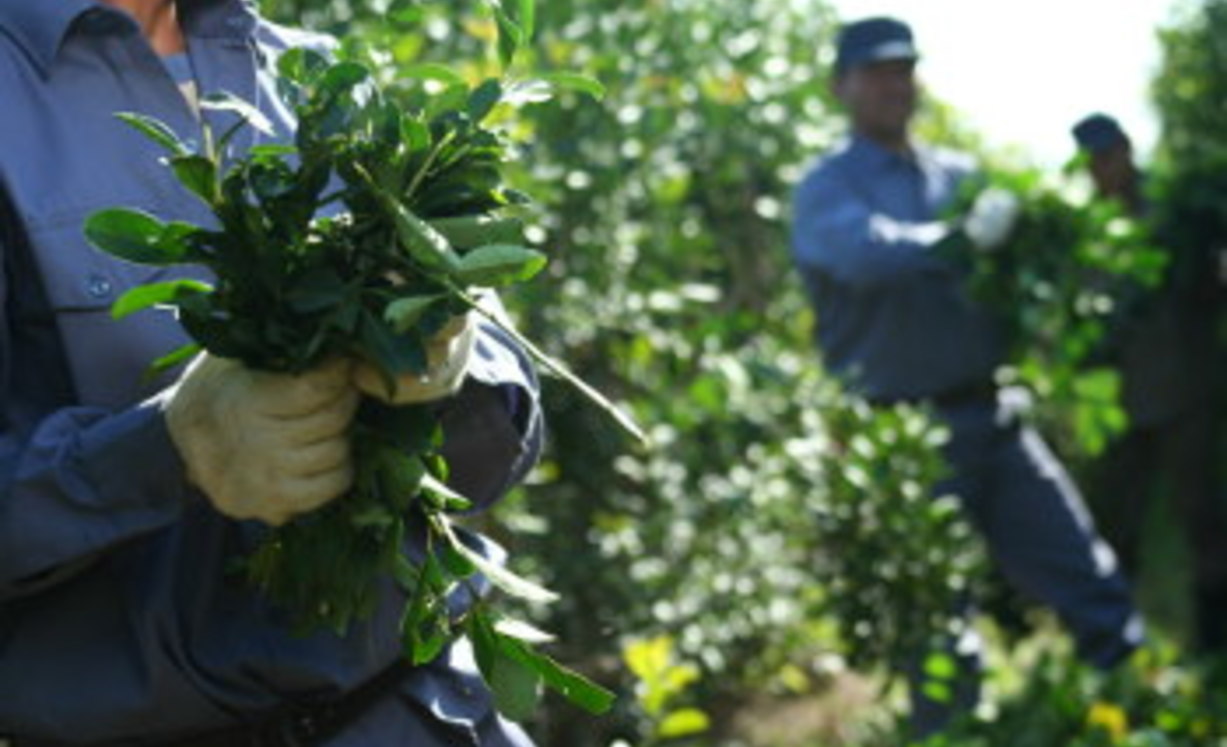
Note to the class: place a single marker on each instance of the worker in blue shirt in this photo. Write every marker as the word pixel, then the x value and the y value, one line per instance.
pixel 1164 344
pixel 123 502
pixel 895 323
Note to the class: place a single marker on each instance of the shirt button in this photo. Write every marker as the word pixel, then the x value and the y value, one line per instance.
pixel 98 286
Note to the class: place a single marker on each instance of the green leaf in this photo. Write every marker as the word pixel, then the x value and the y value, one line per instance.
pixel 198 174
pixel 483 99
pixel 510 35
pixel 342 77
pixel 938 692
pixel 455 563
pixel 156 130
pixel 471 231
pixel 485 644
pixel 432 71
pixel 400 478
pixel 177 356
pixel 648 659
pixel 498 575
pixel 404 313
pixel 228 102
pixel 145 296
pixel 415 134
pixel 498 264
pixel 570 684
pixel 271 150
pixel 684 722
pixel 424 244
pixel 418 609
pixel 429 648
pixel 522 631
pixel 453 99
pixel 450 499
pixel 516 688
pixel 526 17
pixel 407 14
pixel 394 355
pixel 318 289
pixel 576 82
pixel 133 235
pixel 940 666
pixel 302 65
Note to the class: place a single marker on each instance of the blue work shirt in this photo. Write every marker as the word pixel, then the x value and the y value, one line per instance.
pixel 893 318
pixel 119 619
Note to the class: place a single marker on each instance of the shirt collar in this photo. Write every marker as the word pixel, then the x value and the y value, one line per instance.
pixel 869 156
pixel 40 26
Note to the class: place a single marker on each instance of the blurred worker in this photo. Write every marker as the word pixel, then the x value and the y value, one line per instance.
pixel 1163 345
pixel 895 323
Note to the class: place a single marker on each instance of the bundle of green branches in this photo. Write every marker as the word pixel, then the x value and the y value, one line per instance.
pixel 363 239
pixel 1071 267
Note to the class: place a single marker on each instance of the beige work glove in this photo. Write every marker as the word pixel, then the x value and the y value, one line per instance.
pixel 261 445
pixel 991 218
pixel 447 361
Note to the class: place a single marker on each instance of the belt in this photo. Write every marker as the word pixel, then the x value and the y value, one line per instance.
pixel 293 725
pixel 979 392
pixel 303 724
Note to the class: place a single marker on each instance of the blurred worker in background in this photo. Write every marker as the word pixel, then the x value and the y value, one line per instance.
pixel 1163 345
pixel 896 324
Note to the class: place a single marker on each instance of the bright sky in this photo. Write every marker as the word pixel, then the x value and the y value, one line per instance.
pixel 1024 72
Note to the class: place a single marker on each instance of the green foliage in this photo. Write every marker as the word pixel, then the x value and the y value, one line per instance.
pixel 1189 187
pixel 668 238
pixel 1154 700
pixel 298 283
pixel 1072 267
pixel 898 565
pixel 661 681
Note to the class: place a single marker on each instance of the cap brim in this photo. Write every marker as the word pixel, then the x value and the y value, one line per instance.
pixel 895 50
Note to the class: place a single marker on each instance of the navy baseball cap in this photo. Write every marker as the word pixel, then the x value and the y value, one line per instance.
pixel 1098 132
pixel 874 40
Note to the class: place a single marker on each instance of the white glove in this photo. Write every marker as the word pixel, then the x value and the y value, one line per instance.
pixel 261 445
pixel 992 218
pixel 447 361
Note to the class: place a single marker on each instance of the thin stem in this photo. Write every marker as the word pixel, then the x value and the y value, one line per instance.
pixel 557 368
pixel 430 159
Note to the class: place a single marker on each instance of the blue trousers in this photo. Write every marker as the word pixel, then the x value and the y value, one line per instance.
pixel 1039 534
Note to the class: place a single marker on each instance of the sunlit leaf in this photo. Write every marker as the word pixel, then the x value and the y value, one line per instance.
pixel 498 264
pixel 156 130
pixel 685 722
pixel 228 102
pixel 145 296
pixel 133 235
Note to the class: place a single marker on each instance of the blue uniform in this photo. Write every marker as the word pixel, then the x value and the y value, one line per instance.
pixel 118 617
pixel 893 318
pixel 895 323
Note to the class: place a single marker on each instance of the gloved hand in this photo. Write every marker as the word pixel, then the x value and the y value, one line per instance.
pixel 261 445
pixel 992 218
pixel 447 359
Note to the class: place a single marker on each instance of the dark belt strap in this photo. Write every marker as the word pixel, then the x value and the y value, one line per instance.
pixel 294 725
pixel 303 724
pixel 980 392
